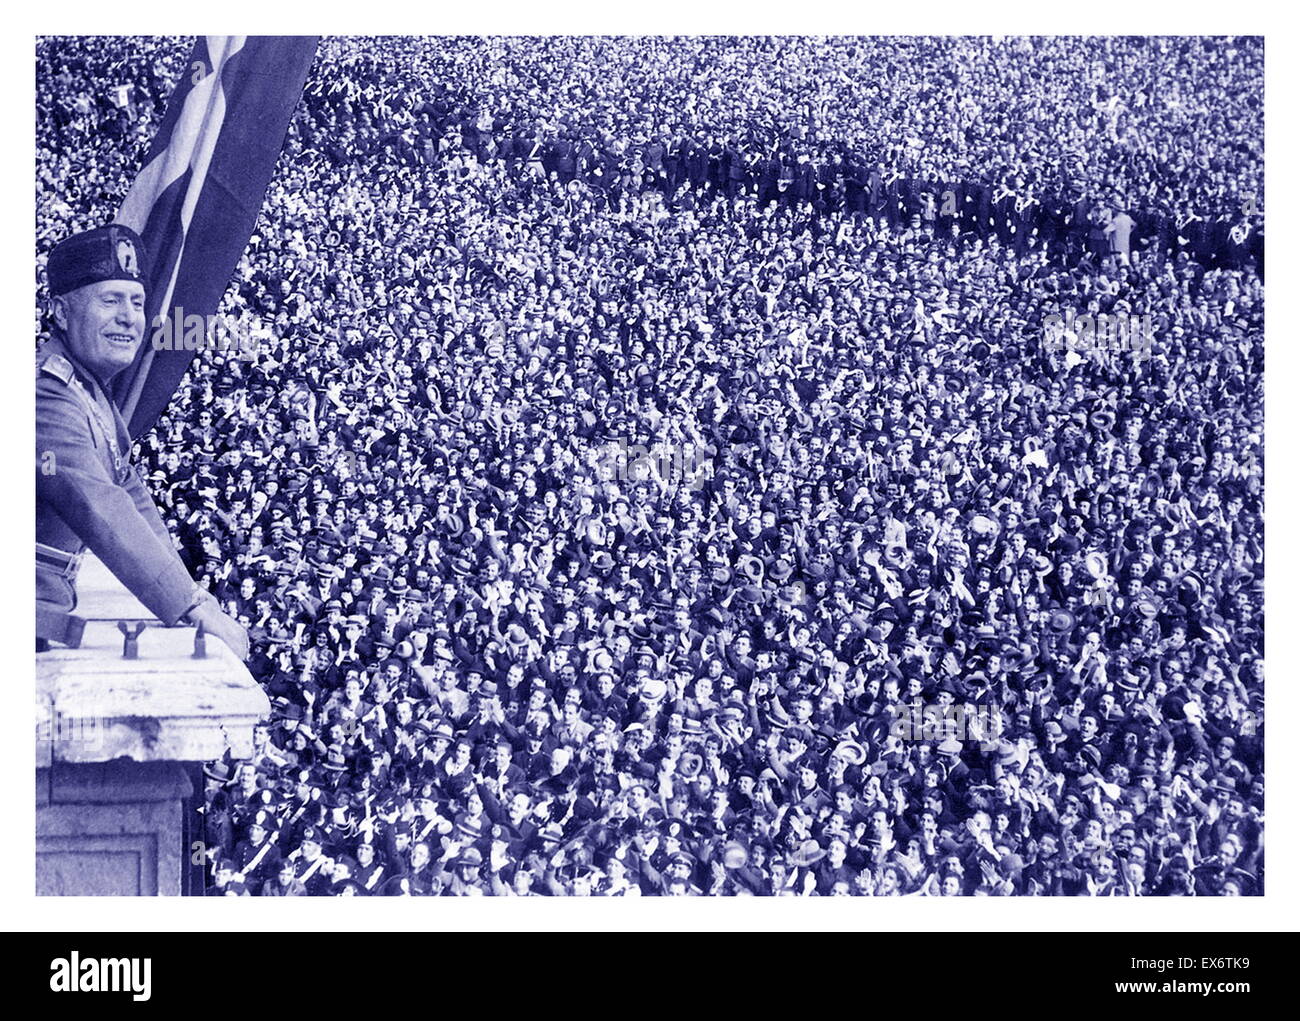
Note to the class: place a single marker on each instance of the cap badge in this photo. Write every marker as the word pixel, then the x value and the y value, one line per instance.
pixel 126 257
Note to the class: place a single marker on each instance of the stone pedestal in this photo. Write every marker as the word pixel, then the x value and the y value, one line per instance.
pixel 114 738
pixel 110 828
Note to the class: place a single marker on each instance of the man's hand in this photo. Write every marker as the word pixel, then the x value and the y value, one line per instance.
pixel 216 622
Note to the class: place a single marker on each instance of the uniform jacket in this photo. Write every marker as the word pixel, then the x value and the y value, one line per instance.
pixel 87 494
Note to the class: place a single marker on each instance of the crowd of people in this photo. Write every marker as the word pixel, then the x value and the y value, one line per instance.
pixel 1045 139
pixel 616 514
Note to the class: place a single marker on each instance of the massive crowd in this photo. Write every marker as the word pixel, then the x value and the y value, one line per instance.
pixel 625 499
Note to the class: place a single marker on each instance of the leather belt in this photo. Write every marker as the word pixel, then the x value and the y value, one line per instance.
pixel 59 560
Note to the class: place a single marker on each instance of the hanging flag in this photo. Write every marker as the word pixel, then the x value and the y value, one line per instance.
pixel 196 200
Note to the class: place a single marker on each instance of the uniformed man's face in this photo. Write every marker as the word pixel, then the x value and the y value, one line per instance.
pixel 104 324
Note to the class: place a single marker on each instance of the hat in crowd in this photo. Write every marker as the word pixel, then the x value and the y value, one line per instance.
pixel 471 857
pixel 264 820
pixel 218 771
pixel 852 752
pixel 734 855
pixel 1008 754
pixel 653 689
pixel 810 852
pixel 777 717
pixel 751 567
pixel 1061 621
pixel 690 765
pixel 335 759
pixel 676 829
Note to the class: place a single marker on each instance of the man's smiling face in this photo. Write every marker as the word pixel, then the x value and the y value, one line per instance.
pixel 104 323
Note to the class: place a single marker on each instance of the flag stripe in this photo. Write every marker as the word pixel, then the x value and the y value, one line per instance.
pixel 196 201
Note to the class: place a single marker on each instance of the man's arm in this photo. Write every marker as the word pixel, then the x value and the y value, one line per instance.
pixel 105 515
pixel 112 520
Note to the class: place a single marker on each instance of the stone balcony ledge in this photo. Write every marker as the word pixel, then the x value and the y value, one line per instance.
pixel 117 741
pixel 92 705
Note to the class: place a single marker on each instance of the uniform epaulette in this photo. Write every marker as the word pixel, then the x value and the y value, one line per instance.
pixel 58 367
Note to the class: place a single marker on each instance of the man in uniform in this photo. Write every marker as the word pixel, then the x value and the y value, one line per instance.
pixel 370 872
pixel 286 883
pixel 258 858
pixel 87 494
pixel 314 868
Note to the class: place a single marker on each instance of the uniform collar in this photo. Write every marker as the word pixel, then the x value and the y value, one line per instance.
pixel 56 345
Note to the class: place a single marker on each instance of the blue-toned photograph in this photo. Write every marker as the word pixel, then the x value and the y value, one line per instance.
pixel 656 466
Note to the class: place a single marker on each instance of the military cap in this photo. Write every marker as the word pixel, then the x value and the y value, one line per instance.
pixel 114 252
pixel 471 857
pixel 263 819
